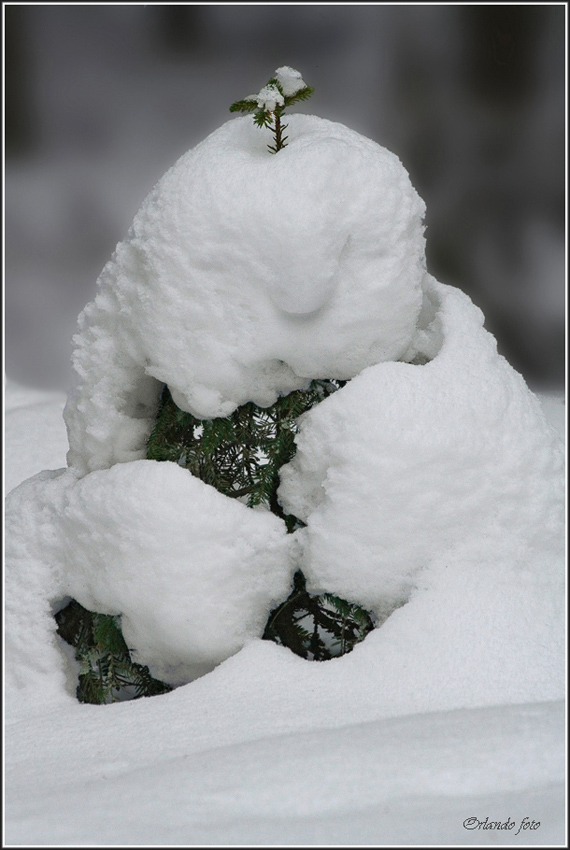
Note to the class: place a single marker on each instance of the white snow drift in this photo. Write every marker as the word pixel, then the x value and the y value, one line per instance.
pixel 409 465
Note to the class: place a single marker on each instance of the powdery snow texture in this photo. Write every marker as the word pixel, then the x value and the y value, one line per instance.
pixel 245 274
pixel 290 80
pixel 409 465
pixel 209 777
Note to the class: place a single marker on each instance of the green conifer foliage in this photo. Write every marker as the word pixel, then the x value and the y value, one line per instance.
pixel 240 455
pixel 317 627
pixel 107 673
pixel 268 107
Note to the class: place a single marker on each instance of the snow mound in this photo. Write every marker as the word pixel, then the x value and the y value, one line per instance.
pixel 244 275
pixel 408 466
pixel 193 573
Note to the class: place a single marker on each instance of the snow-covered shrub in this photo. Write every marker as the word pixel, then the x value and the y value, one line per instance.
pixel 429 476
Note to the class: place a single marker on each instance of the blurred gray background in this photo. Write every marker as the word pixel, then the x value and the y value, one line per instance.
pixel 101 100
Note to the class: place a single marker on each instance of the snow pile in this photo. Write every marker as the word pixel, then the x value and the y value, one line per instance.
pixel 450 462
pixel 245 274
pixel 193 573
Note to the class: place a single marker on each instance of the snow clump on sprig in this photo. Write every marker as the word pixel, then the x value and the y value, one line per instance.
pixel 283 89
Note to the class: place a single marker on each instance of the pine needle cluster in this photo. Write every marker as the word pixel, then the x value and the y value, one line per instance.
pixel 270 103
pixel 241 455
pixel 106 673
pixel 317 627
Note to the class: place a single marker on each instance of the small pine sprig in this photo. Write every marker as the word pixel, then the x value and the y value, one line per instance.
pixel 285 88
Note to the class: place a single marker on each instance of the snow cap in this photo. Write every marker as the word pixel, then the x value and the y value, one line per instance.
pixel 268 98
pixel 290 80
pixel 245 275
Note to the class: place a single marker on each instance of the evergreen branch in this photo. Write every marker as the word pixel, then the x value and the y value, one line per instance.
pixel 240 455
pixel 270 103
pixel 245 105
pixel 302 94
pixel 105 665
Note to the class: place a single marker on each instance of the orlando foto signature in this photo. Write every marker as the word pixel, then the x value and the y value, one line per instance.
pixel 475 823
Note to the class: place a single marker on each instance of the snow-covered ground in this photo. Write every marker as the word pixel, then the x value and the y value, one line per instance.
pixel 271 749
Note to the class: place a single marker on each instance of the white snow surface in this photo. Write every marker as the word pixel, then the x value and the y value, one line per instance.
pixel 30 453
pixel 271 749
pixel 412 471
pixel 245 274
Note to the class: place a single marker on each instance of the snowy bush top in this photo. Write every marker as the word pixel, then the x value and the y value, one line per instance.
pixel 244 275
